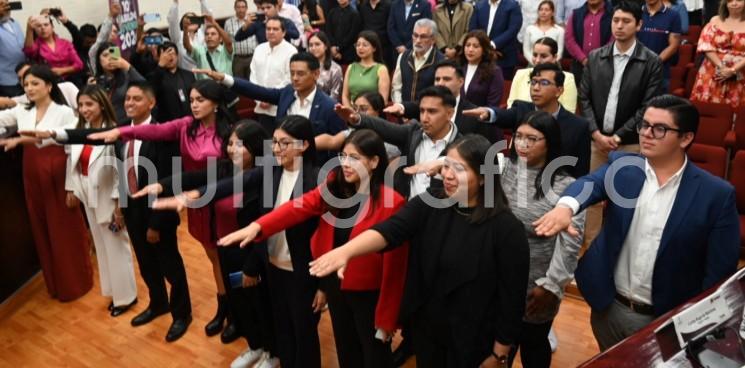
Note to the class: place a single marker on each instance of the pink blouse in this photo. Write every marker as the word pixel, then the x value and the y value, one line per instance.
pixel 63 55
pixel 194 150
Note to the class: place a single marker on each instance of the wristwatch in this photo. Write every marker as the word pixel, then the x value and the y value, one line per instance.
pixel 501 359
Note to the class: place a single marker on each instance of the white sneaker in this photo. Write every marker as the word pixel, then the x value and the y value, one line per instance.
pixel 247 358
pixel 553 340
pixel 268 362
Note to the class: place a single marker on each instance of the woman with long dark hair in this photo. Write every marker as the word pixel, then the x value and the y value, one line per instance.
pixel 536 144
pixel 54 214
pixel 468 262
pixel 113 74
pixel 370 73
pixel 93 179
pixel 296 300
pixel 200 138
pixel 331 78
pixel 484 80
pixel 365 304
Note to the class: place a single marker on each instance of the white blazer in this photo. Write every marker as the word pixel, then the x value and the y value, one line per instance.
pixel 103 180
pixel 56 117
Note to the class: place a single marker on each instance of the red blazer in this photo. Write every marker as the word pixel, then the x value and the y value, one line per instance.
pixel 377 271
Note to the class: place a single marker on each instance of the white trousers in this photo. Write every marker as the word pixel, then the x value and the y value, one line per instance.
pixel 114 255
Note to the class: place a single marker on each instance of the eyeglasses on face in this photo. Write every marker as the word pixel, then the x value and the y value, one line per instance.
pixel 540 82
pixel 658 130
pixel 286 143
pixel 527 140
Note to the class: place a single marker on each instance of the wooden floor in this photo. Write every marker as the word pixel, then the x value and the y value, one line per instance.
pixel 37 331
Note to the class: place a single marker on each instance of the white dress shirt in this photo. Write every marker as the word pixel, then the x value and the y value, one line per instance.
pixel 429 150
pixel 635 266
pixel 493 6
pixel 279 252
pixel 292 13
pixel 302 107
pixel 620 60
pixel 270 68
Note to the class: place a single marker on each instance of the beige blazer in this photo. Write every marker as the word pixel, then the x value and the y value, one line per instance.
pixel 448 36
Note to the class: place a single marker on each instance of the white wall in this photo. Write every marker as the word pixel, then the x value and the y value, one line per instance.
pixel 94 11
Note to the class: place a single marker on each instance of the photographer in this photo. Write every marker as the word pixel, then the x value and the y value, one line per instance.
pixel 48 48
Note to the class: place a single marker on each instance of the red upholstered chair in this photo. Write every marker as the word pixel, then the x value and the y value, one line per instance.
pixel 710 158
pixel 245 107
pixel 737 178
pixel 685 55
pixel 694 32
pixel 738 141
pixel 505 94
pixel 714 123
pixel 678 76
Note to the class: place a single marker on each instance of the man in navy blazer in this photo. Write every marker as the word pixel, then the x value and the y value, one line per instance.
pixel 547 85
pixel 401 21
pixel 503 32
pixel 301 97
pixel 671 229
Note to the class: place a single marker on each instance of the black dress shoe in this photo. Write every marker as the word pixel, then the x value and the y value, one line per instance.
pixel 178 329
pixel 402 353
pixel 111 306
pixel 229 334
pixel 116 311
pixel 147 315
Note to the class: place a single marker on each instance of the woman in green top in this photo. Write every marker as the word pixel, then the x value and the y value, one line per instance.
pixel 369 74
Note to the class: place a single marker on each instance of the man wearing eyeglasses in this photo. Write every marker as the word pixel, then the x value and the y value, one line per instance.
pixel 415 68
pixel 546 86
pixel 671 229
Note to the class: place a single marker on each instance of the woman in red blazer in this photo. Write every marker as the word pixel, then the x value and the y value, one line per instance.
pixel 364 305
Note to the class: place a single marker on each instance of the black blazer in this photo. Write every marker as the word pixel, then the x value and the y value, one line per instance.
pixel 575 133
pixel 298 237
pixel 159 154
pixel 406 137
pixel 465 124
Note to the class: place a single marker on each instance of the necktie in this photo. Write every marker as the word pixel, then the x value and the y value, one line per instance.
pixel 131 175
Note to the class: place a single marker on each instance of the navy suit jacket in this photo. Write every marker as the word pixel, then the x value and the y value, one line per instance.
pixel 700 242
pixel 507 22
pixel 575 133
pixel 322 113
pixel 400 28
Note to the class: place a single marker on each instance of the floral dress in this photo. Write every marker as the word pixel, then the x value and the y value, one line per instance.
pixel 730 48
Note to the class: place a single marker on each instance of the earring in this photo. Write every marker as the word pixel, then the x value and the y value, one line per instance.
pixel 215 109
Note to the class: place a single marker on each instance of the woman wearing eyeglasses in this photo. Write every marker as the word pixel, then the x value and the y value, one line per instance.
pixel 532 189
pixel 295 298
pixel 467 270
pixel 364 305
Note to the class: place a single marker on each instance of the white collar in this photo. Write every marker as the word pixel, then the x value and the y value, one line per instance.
pixel 310 97
pixel 629 52
pixel 446 138
pixel 146 122
pixel 425 56
pixel 652 176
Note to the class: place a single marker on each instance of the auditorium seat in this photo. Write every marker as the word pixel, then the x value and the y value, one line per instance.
pixel 710 158
pixel 738 141
pixel 505 94
pixel 737 178
pixel 694 32
pixel 714 123
pixel 245 107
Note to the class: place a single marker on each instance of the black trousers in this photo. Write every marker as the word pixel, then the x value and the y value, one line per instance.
pixel 353 322
pixel 295 324
pixel 535 350
pixel 269 123
pixel 250 308
pixel 158 262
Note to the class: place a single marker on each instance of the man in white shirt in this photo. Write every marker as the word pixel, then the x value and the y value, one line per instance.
pixel 271 67
pixel 671 229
